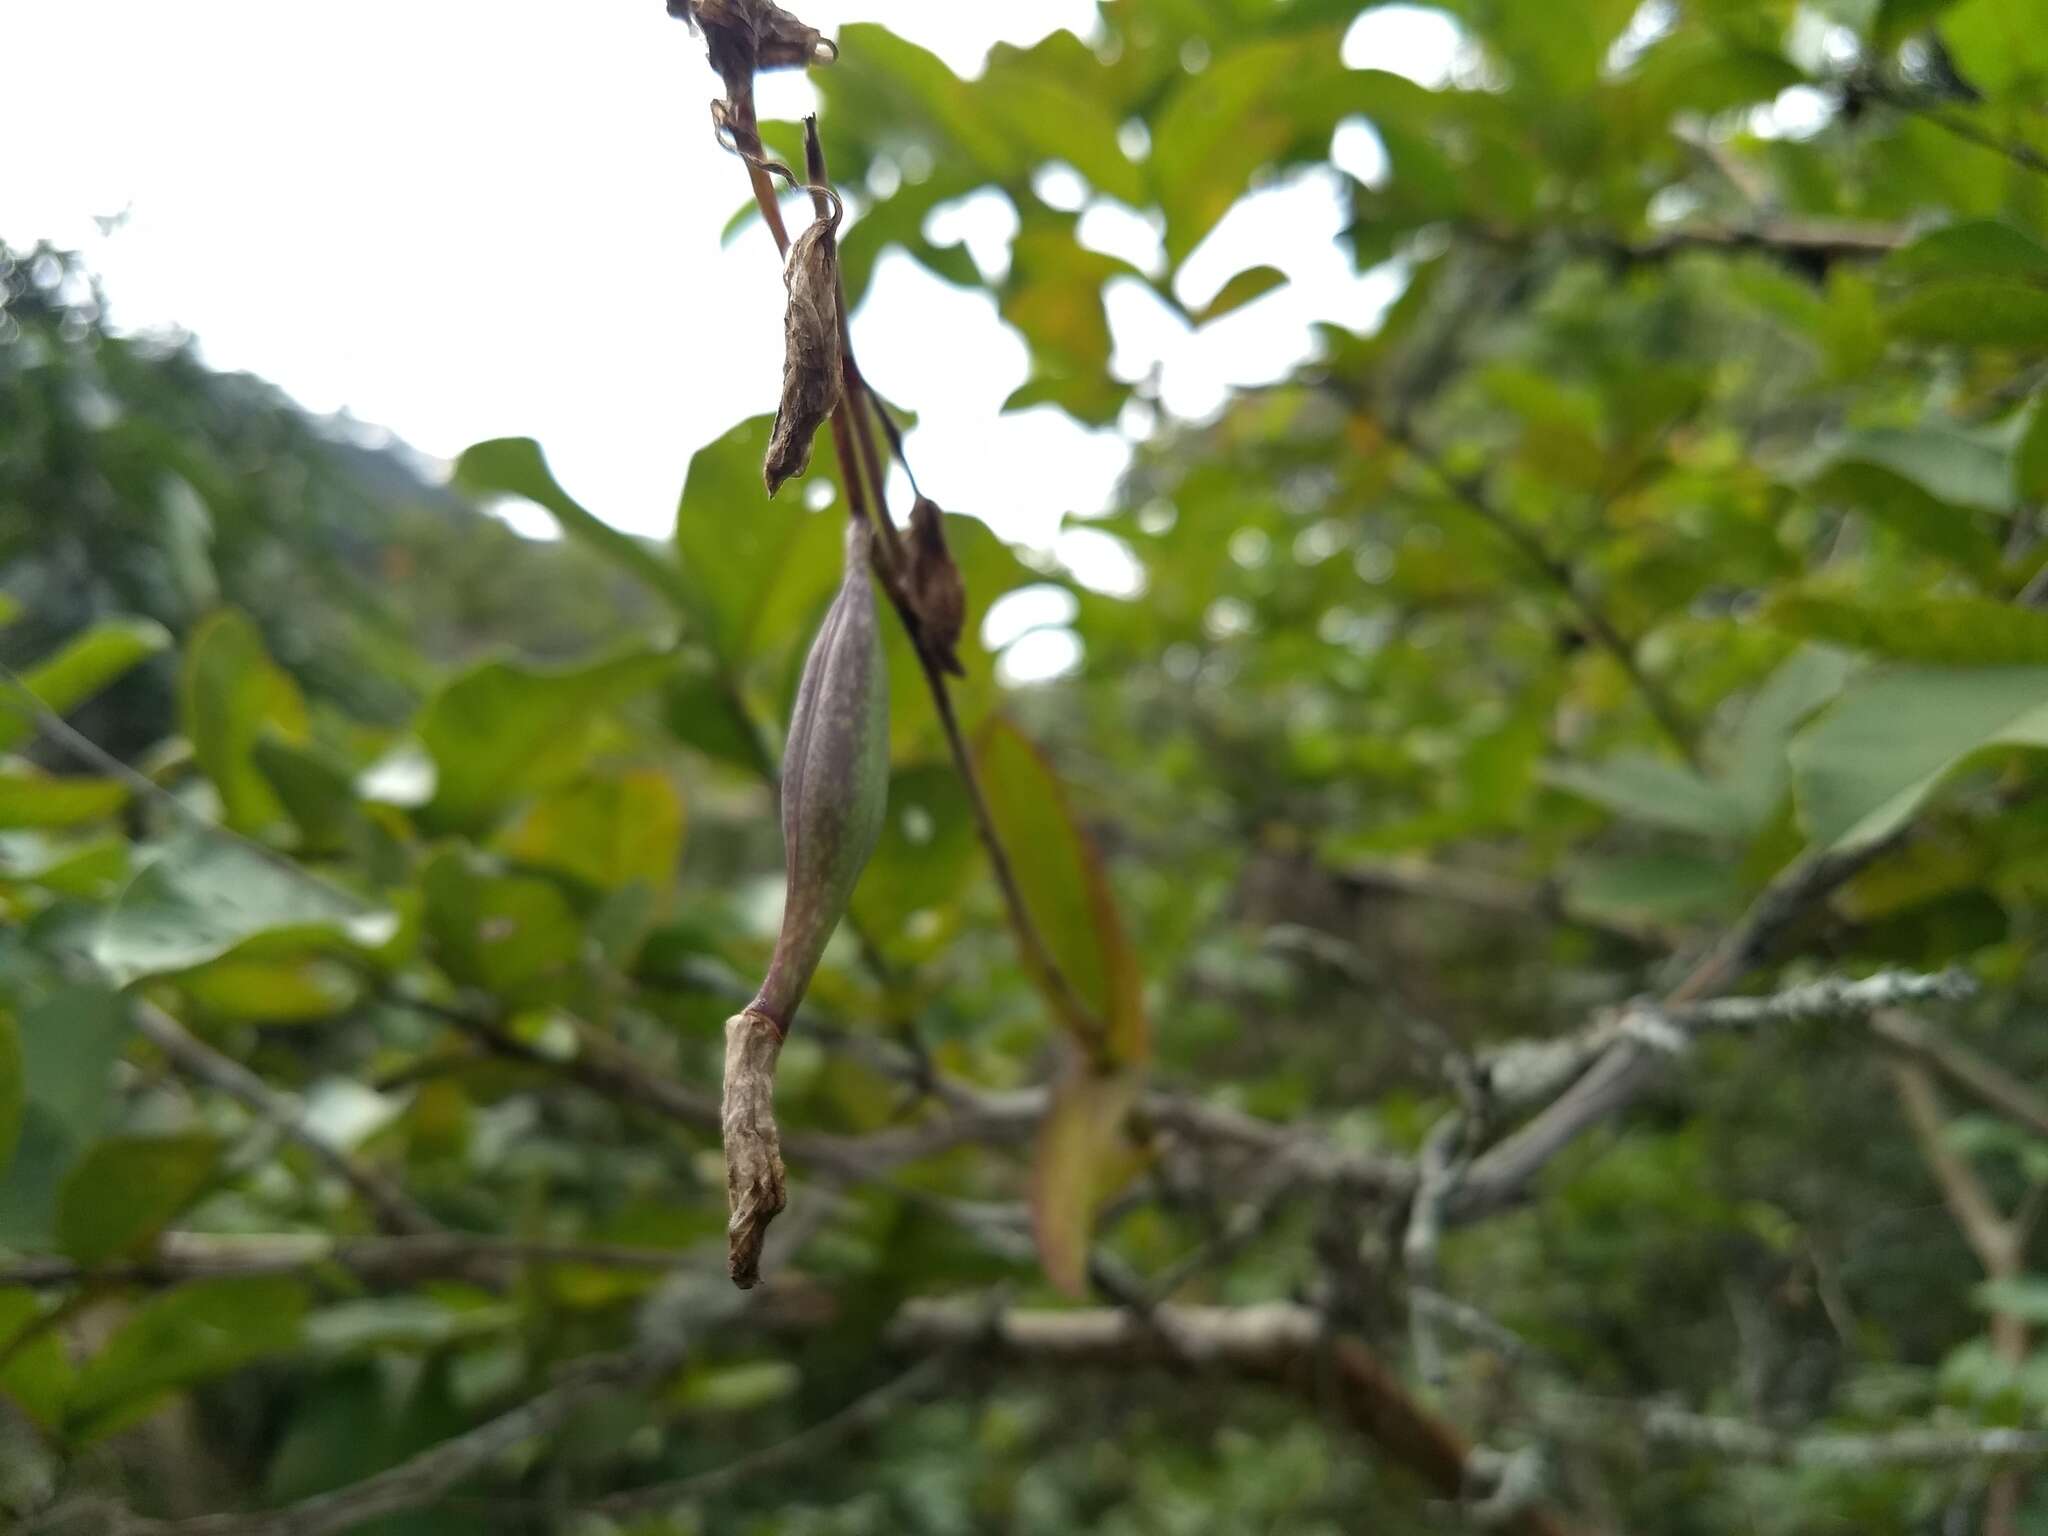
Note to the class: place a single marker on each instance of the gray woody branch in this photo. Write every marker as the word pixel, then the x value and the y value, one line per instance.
pixel 1738 1440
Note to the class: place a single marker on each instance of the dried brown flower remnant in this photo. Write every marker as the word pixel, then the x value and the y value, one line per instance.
pixel 936 590
pixel 756 1188
pixel 811 376
pixel 754 35
pixel 835 788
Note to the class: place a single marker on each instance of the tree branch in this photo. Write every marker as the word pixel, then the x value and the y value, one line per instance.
pixel 179 1257
pixel 1280 1344
pixel 1963 1066
pixel 1627 1066
pixel 395 1211
pixel 1739 1440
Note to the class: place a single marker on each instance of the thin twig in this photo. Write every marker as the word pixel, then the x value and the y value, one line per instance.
pixel 1988 1081
pixel 865 1413
pixel 1470 494
pixel 424 1478
pixel 2025 156
pixel 394 1209
pixel 179 1257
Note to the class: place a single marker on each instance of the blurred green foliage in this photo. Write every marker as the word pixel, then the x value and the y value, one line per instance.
pixel 1683 516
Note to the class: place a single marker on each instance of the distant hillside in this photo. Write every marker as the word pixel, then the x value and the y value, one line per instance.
pixel 135 480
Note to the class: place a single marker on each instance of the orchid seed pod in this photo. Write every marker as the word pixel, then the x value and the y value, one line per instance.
pixel 835 788
pixel 812 379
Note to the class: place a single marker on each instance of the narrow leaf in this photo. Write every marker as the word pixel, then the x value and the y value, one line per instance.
pixel 1065 893
pixel 1082 1156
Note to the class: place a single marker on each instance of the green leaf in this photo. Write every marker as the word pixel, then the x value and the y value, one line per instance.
pixel 745 556
pixel 1052 120
pixel 2030 459
pixel 317 791
pixel 13 1089
pixel 1065 892
pixel 1054 299
pixel 192 1335
pixel 92 868
pixel 271 992
pixel 418 1324
pixel 747 1388
pixel 705 711
pixel 1947 631
pixel 1252 283
pixel 31 798
pixel 926 851
pixel 204 897
pixel 1660 888
pixel 516 466
pixel 1911 511
pixel 608 832
pixel 888 87
pixel 1962 469
pixel 127 1189
pixel 1980 311
pixel 35 1369
pixel 69 1042
pixel 1656 793
pixel 505 731
pixel 1898 19
pixel 1755 768
pixel 501 932
pixel 1866 766
pixel 232 694
pixel 1250 106
pixel 1083 1156
pixel 1973 248
pixel 92 662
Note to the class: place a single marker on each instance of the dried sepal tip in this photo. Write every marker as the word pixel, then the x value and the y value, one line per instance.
pixel 756 1187
pixel 936 590
pixel 812 379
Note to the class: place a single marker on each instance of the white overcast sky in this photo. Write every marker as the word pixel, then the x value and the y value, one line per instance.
pixel 461 219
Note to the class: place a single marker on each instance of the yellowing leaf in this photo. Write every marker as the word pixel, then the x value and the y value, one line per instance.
pixel 607 832
pixel 1082 1158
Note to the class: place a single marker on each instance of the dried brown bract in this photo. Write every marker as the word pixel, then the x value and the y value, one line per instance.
pixel 936 590
pixel 749 35
pixel 812 379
